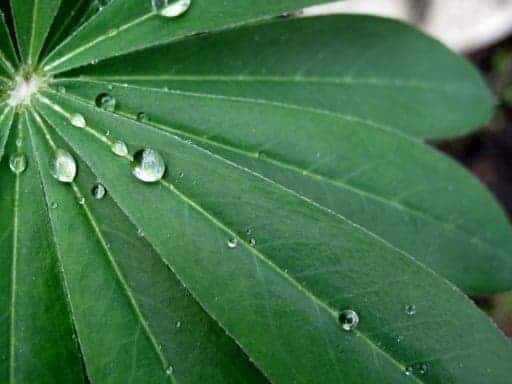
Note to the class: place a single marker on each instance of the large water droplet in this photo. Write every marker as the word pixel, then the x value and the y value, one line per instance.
pixel 119 148
pixel 348 319
pixel 171 8
pixel 77 120
pixel 98 191
pixel 63 166
pixel 106 102
pixel 148 165
pixel 18 163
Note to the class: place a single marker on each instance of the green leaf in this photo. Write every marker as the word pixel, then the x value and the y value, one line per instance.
pixel 32 19
pixel 7 53
pixel 294 266
pixel 69 17
pixel 128 25
pixel 156 332
pixel 298 131
pixel 37 339
pixel 291 190
pixel 370 69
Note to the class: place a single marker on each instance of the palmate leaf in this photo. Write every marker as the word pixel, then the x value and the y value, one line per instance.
pixel 297 187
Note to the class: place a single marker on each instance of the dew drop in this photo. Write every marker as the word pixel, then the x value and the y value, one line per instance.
pixel 143 117
pixel 169 370
pixel 119 148
pixel 148 165
pixel 18 163
pixel 252 241
pixel 19 142
pixel 54 205
pixel 410 309
pixel 63 166
pixel 61 89
pixel 81 200
pixel 77 120
pixel 178 324
pixel 232 243
pixel 140 232
pixel 348 319
pixel 408 370
pixel 106 102
pixel 98 191
pixel 171 8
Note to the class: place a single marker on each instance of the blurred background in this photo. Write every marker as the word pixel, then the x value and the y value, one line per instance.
pixel 482 31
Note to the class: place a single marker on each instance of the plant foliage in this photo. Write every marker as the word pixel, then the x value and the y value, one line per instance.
pixel 303 230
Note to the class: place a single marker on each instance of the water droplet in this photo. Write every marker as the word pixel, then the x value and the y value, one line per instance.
pixel 19 142
pixel 63 166
pixel 410 309
pixel 61 89
pixel 148 165
pixel 348 319
pixel 98 191
pixel 143 117
pixel 106 102
pixel 422 368
pixel 81 200
pixel 54 205
pixel 171 8
pixel 178 324
pixel 408 370
pixel 119 148
pixel 18 163
pixel 77 120
pixel 252 241
pixel 140 232
pixel 232 243
pixel 169 370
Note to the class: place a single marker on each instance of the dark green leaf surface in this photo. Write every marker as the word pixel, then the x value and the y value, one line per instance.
pixel 37 341
pixel 7 53
pixel 32 19
pixel 128 25
pixel 284 128
pixel 282 293
pixel 297 186
pixel 377 71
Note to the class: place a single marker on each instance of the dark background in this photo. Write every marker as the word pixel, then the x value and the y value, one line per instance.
pixel 488 154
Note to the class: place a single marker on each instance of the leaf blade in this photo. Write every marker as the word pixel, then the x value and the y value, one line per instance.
pixel 218 210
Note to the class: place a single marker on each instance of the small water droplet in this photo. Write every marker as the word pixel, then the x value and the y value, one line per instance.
pixel 178 324
pixel 140 232
pixel 232 243
pixel 61 89
pixel 119 148
pixel 18 163
pixel 169 370
pixel 63 166
pixel 410 309
pixel 171 8
pixel 348 319
pixel 98 191
pixel 77 120
pixel 54 205
pixel 19 142
pixel 143 117
pixel 81 200
pixel 408 370
pixel 252 241
pixel 148 165
pixel 106 102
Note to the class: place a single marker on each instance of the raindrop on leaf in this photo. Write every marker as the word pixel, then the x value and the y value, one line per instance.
pixel 98 191
pixel 18 163
pixel 119 148
pixel 77 120
pixel 348 319
pixel 148 165
pixel 63 166
pixel 171 8
pixel 106 102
